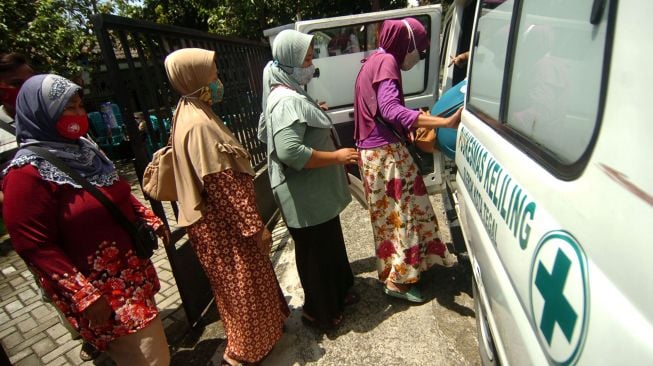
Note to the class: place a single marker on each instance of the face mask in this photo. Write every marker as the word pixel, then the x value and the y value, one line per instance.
pixel 413 57
pixel 9 95
pixel 303 74
pixel 410 60
pixel 72 127
pixel 212 93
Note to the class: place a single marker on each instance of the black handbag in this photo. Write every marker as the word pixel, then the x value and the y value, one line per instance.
pixel 424 167
pixel 143 236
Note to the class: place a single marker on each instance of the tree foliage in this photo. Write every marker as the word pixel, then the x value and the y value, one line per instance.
pixel 56 35
pixel 248 18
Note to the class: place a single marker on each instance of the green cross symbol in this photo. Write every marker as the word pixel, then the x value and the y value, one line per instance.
pixel 556 307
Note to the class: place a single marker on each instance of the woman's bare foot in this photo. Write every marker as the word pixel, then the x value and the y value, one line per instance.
pixel 230 361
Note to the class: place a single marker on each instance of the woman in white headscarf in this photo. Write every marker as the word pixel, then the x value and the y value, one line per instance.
pixel 307 178
pixel 217 205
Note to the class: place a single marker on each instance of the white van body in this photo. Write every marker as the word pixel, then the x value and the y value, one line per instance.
pixel 554 182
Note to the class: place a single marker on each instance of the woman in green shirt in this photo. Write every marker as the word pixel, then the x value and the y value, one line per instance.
pixel 308 178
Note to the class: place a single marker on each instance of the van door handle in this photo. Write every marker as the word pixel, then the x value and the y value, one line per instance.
pixel 597 11
pixel 351 114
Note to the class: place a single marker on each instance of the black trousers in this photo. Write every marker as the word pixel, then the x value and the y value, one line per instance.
pixel 323 267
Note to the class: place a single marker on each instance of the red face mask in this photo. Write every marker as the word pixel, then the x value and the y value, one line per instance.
pixel 72 127
pixel 8 95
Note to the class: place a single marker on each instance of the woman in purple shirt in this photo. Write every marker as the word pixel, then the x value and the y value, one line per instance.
pixel 405 227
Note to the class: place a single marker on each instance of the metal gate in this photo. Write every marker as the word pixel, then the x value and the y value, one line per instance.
pixel 133 53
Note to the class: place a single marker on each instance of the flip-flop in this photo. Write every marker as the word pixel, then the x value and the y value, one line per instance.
pixel 412 295
pixel 333 324
pixel 88 352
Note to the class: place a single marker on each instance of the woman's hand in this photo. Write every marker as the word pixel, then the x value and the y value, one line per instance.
pixel 164 234
pixel 264 240
pixel 347 155
pixel 98 313
pixel 459 60
pixel 454 120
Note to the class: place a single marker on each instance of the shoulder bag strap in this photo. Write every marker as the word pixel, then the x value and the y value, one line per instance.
pixel 106 202
pixel 401 137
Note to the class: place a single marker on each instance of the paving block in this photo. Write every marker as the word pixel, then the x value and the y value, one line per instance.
pixel 8 270
pixel 59 351
pixel 4 317
pixel 56 331
pixel 27 325
pixel 12 340
pixel 43 347
pixel 13 306
pixel 26 308
pixel 27 294
pixel 5 290
pixel 27 274
pixel 30 360
pixel 41 312
pixel 14 359
pixel 171 291
pixel 17 282
pixel 164 275
pixel 43 325
pixel 7 331
pixel 73 354
pixel 59 361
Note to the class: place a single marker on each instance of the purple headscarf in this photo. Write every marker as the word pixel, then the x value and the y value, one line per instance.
pixel 40 103
pixel 395 44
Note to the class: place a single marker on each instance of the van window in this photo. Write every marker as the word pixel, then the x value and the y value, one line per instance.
pixel 489 59
pixel 338 53
pixel 555 84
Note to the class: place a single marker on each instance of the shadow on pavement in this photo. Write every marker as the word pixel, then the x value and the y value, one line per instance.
pixel 445 284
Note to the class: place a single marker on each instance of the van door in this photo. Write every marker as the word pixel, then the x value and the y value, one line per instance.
pixel 339 46
pixel 457 29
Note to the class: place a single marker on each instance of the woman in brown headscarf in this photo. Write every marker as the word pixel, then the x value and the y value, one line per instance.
pixel 217 205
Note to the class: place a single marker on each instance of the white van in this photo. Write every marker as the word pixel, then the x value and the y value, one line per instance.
pixel 552 183
pixel 555 186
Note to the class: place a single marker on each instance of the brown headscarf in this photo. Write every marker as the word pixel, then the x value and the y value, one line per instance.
pixel 202 144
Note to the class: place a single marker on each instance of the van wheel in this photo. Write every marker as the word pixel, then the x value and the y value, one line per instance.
pixel 485 342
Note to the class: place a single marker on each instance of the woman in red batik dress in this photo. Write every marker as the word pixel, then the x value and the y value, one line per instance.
pixel 215 192
pixel 83 258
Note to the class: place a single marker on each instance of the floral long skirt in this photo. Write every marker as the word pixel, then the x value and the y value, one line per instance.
pixel 406 235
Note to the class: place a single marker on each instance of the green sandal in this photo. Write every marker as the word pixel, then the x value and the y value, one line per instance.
pixel 412 295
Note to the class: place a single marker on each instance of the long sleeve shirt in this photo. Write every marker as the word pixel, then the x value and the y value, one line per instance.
pixel 393 112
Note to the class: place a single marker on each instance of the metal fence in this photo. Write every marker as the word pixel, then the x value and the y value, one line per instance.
pixel 133 53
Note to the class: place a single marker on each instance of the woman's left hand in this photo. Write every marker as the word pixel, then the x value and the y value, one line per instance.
pixel 454 120
pixel 264 240
pixel 98 313
pixel 164 234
